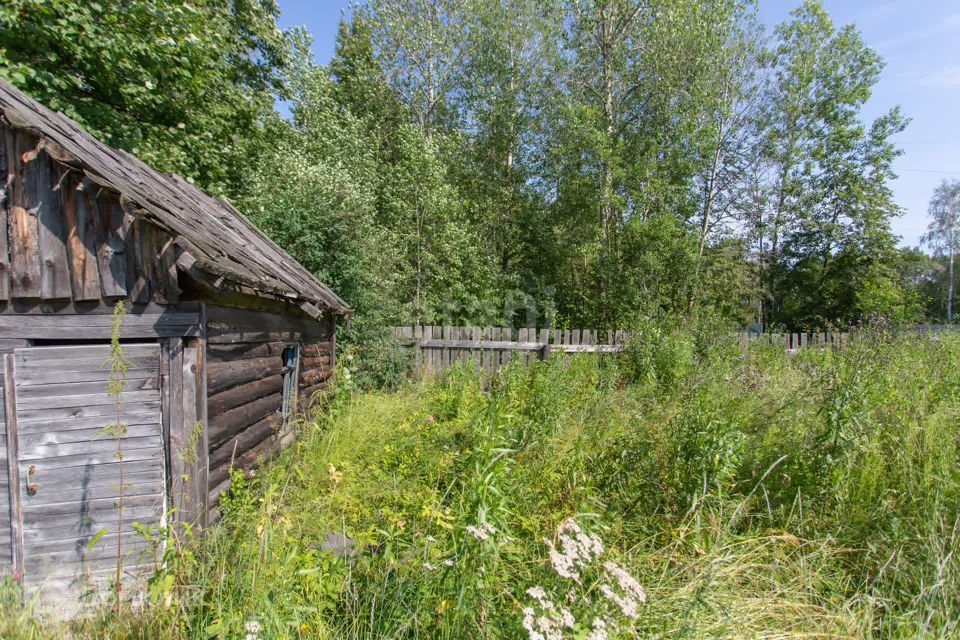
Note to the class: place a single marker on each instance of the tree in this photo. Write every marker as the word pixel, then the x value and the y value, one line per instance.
pixel 828 196
pixel 183 85
pixel 943 234
pixel 420 43
pixel 503 83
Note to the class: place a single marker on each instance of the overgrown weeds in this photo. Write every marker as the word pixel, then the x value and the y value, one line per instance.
pixel 756 494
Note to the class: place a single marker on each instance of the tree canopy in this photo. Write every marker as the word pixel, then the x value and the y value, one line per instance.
pixel 587 162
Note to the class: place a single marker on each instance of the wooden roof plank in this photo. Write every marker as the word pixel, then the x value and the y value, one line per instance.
pixel 223 241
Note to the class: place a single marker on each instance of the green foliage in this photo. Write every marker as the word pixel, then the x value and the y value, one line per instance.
pixel 181 85
pixel 488 162
pixel 750 493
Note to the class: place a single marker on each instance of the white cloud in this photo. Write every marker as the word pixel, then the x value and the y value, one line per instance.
pixel 947 24
pixel 880 11
pixel 942 78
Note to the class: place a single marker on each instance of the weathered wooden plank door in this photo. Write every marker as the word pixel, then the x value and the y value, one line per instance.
pixel 6 508
pixel 71 469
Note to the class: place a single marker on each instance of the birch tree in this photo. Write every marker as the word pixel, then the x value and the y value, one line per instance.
pixel 420 44
pixel 943 233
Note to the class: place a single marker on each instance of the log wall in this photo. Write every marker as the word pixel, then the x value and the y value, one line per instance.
pixel 252 357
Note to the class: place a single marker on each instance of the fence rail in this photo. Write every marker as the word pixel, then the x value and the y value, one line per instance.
pixel 489 348
pixel 438 348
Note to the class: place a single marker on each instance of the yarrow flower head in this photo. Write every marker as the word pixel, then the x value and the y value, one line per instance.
pixel 576 555
pixel 631 594
pixel 538 594
pixel 577 549
pixel 252 627
pixel 483 532
pixel 598 630
pixel 550 622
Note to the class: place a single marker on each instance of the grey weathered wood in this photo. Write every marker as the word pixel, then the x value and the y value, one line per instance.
pixel 98 448
pixel 222 318
pixel 54 264
pixel 85 497
pixel 166 284
pixel 225 375
pixel 77 549
pixel 70 475
pixel 80 357
pixel 217 353
pixel 36 508
pixel 55 389
pixel 13 470
pixel 228 336
pixel 98 326
pixel 139 376
pixel 137 237
pixel 86 458
pixel 203 416
pixel 243 441
pixel 105 517
pixel 111 247
pixel 6 547
pixel 6 179
pixel 93 408
pixel 83 400
pixel 31 184
pixel 195 483
pixel 230 423
pixel 236 396
pixel 82 531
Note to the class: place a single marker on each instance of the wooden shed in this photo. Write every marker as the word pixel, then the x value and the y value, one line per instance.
pixel 225 335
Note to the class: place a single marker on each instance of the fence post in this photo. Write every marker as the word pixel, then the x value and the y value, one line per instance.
pixel 545 344
pixel 417 351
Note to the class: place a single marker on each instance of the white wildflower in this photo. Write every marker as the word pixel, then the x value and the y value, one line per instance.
pixel 562 563
pixel 598 630
pixel 632 592
pixel 627 605
pixel 479 534
pixel 428 566
pixel 483 532
pixel 626 582
pixel 430 539
pixel 529 619
pixel 448 563
pixel 252 627
pixel 577 549
pixel 538 594
pixel 566 618
pixel 549 628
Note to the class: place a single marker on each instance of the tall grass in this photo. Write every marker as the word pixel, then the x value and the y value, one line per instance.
pixel 758 494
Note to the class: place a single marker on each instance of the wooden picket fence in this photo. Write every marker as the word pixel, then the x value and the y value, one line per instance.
pixel 487 349
pixel 436 348
pixel 792 341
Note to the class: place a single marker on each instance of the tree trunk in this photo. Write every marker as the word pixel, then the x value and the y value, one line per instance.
pixel 950 288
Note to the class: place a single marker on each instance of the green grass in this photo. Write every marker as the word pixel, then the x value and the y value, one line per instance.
pixel 759 495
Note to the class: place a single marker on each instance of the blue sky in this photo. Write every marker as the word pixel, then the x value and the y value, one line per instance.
pixel 918 39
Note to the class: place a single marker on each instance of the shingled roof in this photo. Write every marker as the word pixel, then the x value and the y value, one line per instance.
pixel 212 237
